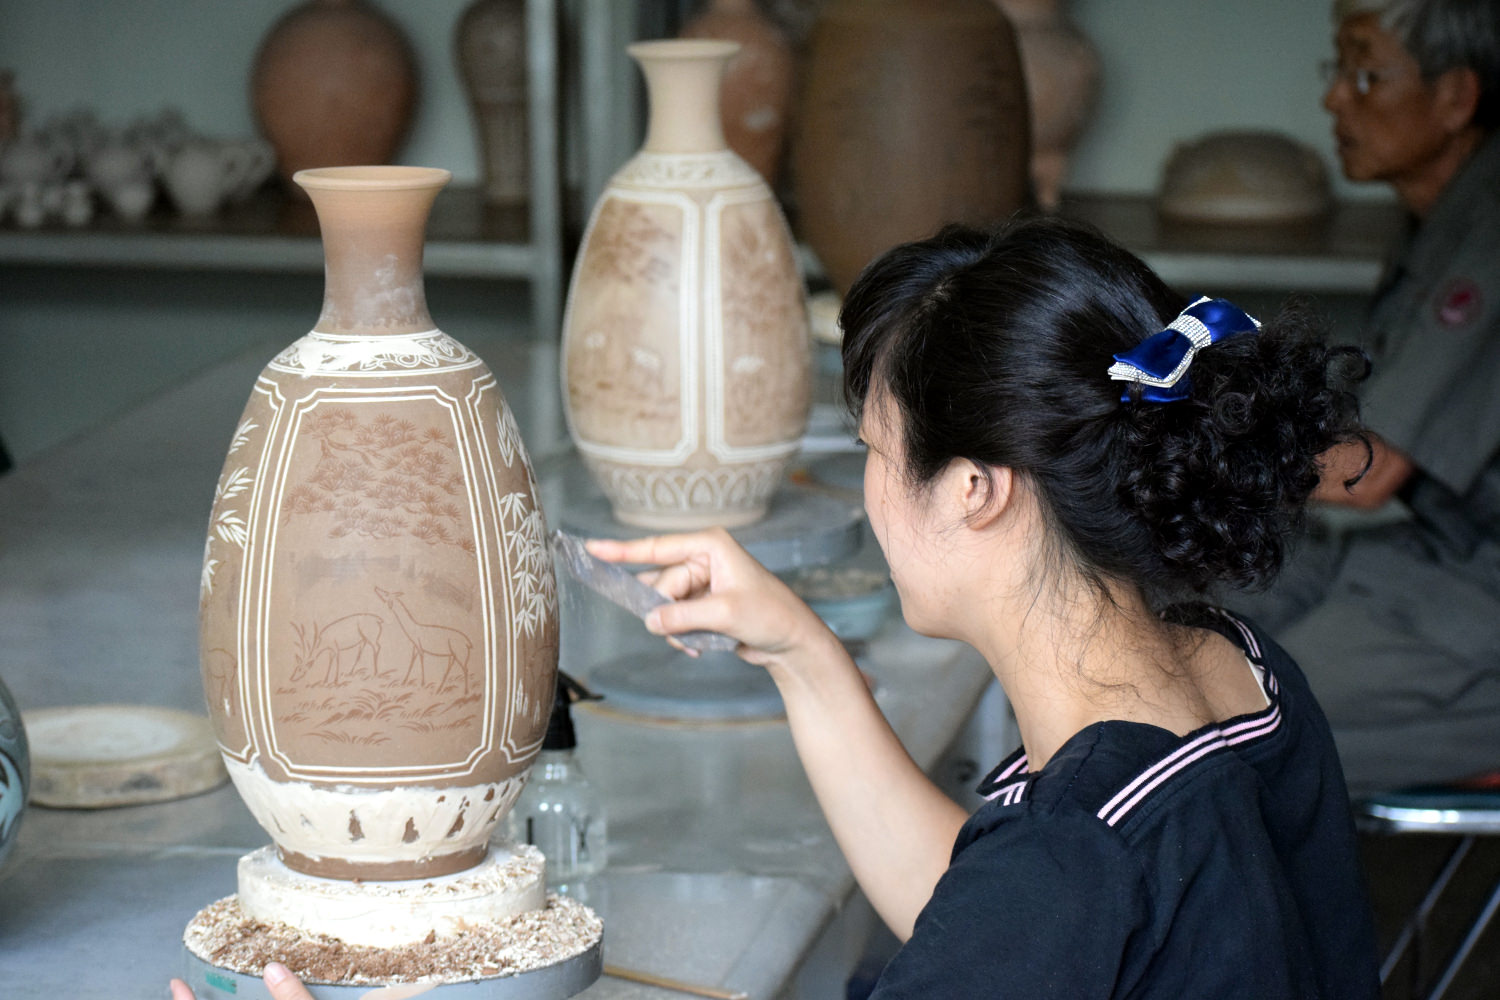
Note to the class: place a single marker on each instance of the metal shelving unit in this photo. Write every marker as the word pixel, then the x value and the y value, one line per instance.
pixel 277 233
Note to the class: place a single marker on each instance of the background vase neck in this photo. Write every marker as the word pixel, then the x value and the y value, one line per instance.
pixel 374 222
pixel 682 79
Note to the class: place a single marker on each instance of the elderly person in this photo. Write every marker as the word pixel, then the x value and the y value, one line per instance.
pixel 1398 627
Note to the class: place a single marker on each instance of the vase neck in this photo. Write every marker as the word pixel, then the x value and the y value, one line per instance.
pixel 682 80
pixel 374 222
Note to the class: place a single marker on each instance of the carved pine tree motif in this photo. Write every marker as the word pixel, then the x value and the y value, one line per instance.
pixel 382 478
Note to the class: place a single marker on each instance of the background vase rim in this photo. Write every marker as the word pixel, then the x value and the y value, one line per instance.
pixel 371 178
pixel 683 48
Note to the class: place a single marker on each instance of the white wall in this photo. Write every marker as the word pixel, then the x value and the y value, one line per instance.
pixel 1173 69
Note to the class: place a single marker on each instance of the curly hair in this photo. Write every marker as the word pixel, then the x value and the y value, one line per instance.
pixel 995 346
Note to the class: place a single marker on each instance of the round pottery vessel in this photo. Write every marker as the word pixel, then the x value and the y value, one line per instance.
pixel 15 772
pixel 913 115
pixel 378 611
pixel 686 365
pixel 334 83
pixel 490 44
pixel 201 174
pixel 755 102
pixel 1244 176
pixel 1062 86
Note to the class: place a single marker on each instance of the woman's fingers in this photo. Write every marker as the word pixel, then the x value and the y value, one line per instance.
pixel 282 984
pixel 180 990
pixel 661 550
pixel 680 581
pixel 710 613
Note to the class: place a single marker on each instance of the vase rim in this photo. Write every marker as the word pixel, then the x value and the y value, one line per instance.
pixel 371 178
pixel 683 48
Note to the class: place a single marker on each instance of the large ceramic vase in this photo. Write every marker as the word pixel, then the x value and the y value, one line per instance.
pixel 378 610
pixel 755 102
pixel 1062 84
pixel 334 83
pixel 913 115
pixel 490 46
pixel 15 772
pixel 686 363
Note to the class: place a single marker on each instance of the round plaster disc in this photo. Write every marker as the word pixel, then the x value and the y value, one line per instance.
pixel 553 982
pixel 96 756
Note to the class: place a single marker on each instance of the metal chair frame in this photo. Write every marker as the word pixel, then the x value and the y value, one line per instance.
pixel 1467 813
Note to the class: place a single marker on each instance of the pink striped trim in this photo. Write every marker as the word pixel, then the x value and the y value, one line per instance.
pixel 1016 767
pixel 1012 791
pixel 1153 777
pixel 1216 743
pixel 1165 762
pixel 1010 794
pixel 1251 645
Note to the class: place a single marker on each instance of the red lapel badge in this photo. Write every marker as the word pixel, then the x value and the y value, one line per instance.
pixel 1458 303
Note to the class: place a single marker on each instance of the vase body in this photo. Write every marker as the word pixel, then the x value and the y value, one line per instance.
pixel 756 98
pixel 334 83
pixel 490 44
pixel 685 360
pixel 913 115
pixel 1062 86
pixel 378 612
pixel 15 772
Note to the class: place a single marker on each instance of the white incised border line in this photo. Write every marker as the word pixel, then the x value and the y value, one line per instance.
pixel 357 775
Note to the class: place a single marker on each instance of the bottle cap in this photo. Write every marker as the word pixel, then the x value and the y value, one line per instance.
pixel 560 735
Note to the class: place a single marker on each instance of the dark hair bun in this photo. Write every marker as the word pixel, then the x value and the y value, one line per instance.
pixel 1221 478
pixel 995 347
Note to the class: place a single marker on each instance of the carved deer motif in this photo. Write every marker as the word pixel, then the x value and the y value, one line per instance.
pixel 429 640
pixel 356 632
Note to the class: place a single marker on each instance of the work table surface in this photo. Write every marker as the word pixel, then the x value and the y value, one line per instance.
pixel 722 871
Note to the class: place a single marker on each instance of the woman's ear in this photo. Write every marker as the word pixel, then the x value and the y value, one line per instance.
pixel 981 493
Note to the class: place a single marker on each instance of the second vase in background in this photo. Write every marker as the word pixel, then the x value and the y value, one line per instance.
pixel 686 364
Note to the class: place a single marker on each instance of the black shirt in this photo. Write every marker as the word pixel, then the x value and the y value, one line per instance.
pixel 1141 864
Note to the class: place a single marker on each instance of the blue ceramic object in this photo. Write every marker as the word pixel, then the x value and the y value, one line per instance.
pixel 15 771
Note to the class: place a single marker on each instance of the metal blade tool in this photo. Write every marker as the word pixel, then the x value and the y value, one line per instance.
pixel 619 585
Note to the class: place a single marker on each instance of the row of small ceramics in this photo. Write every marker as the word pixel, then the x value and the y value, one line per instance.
pixel 63 169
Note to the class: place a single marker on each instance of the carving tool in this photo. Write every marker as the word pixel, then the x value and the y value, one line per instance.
pixel 619 585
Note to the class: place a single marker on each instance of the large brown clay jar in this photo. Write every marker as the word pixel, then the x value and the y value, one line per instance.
pixel 755 102
pixel 334 83
pixel 913 115
pixel 378 610
pixel 490 45
pixel 686 363
pixel 1062 84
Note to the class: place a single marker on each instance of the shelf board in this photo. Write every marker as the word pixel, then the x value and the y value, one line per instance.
pixel 1341 252
pixel 276 232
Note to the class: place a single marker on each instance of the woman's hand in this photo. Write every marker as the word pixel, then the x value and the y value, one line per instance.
pixel 717 586
pixel 279 980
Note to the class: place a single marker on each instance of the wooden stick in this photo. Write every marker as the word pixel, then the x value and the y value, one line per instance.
pixel 651 979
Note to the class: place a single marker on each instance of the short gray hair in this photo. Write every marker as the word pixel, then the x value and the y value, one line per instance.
pixel 1443 35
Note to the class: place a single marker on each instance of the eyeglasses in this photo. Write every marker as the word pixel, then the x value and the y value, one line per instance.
pixel 1361 79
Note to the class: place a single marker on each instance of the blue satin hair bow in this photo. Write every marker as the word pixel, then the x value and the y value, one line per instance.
pixel 1160 362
